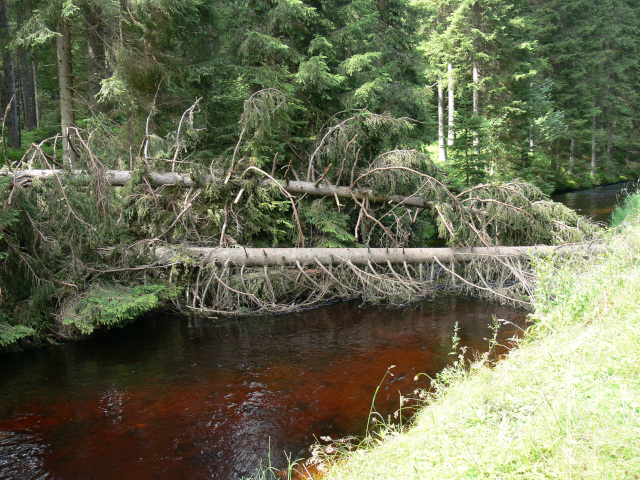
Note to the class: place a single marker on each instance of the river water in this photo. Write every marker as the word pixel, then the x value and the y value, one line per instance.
pixel 172 397
pixel 597 203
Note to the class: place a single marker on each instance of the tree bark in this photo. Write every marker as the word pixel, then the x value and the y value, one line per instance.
pixel 572 155
pixel 476 103
pixel 259 257
pixel 611 143
pixel 9 82
pixel 122 177
pixel 65 81
pixel 442 148
pixel 475 74
pixel 594 156
pixel 96 57
pixel 451 108
pixel 27 77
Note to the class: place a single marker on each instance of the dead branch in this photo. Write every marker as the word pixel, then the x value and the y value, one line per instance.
pixel 285 192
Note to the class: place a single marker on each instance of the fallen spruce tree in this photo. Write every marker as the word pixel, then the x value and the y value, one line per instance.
pixel 79 254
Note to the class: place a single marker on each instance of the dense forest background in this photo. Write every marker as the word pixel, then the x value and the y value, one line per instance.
pixel 542 90
pixel 441 100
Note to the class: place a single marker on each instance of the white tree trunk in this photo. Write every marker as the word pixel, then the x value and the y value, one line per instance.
pixel 572 155
pixel 451 108
pixel 476 104
pixel 594 155
pixel 442 148
pixel 258 257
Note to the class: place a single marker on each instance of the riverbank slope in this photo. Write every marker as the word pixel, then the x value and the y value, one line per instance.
pixel 565 404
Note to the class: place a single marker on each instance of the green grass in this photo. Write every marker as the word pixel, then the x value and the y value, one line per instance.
pixel 565 404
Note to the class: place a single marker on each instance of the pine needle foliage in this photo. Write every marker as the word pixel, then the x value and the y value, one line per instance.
pixel 355 137
pixel 109 306
pixel 328 227
pixel 78 257
pixel 515 213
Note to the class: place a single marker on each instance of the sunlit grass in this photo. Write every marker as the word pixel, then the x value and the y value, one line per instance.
pixel 565 404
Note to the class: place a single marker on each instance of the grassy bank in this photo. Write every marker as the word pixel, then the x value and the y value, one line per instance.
pixel 565 404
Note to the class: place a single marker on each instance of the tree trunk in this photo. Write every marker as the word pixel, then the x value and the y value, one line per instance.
pixel 572 155
pixel 476 103
pixel 442 148
pixel 65 81
pixel 259 257
pixel 27 78
pixel 122 177
pixel 451 108
pixel 96 58
pixel 594 157
pixel 35 93
pixel 9 82
pixel 475 74
pixel 610 144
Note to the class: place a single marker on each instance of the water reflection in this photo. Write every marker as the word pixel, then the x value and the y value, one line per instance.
pixel 182 398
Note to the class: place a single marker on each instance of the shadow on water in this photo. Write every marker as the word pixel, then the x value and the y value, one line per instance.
pixel 597 203
pixel 173 397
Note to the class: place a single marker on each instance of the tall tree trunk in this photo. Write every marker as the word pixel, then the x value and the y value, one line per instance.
pixel 451 107
pixel 65 81
pixel 96 57
pixel 442 148
pixel 34 69
pixel 594 156
pixel 532 144
pixel 27 77
pixel 572 155
pixel 611 144
pixel 476 104
pixel 475 20
pixel 9 84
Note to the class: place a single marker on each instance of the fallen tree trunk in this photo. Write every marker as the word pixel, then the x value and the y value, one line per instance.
pixel 258 257
pixel 119 178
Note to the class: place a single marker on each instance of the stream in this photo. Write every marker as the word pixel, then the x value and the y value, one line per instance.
pixel 180 398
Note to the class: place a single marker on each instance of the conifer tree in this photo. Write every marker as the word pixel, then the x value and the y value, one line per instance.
pixel 10 104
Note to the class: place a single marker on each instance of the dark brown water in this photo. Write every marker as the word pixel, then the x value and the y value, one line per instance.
pixel 174 398
pixel 170 397
pixel 597 203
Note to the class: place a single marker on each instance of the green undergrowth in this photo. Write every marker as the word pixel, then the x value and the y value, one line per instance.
pixel 111 306
pixel 564 404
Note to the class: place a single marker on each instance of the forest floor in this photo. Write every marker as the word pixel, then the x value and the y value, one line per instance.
pixel 564 404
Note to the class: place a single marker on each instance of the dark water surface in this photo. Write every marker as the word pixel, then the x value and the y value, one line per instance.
pixel 597 203
pixel 169 397
pixel 173 398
